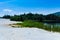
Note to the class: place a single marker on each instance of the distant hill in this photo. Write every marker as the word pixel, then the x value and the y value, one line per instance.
pixel 57 13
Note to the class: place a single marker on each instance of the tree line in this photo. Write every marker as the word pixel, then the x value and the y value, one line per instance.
pixel 35 17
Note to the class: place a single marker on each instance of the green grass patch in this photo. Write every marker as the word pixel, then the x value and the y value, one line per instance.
pixel 34 24
pixel 29 23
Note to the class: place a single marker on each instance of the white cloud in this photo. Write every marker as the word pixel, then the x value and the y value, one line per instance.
pixel 7 10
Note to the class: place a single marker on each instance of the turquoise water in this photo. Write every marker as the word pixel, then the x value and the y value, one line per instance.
pixel 4 23
pixel 52 24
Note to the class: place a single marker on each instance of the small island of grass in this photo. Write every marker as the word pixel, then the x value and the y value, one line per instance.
pixel 33 24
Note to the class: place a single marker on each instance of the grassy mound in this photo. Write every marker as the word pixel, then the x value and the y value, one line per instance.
pixel 30 23
pixel 34 24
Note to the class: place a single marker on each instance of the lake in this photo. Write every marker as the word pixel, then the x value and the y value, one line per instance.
pixel 52 24
pixel 4 23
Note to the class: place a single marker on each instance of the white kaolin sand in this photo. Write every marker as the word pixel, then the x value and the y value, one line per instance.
pixel 7 33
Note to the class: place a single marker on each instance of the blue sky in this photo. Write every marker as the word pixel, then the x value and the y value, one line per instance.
pixel 12 7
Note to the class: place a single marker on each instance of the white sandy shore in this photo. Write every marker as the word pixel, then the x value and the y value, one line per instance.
pixel 27 34
pixel 7 33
